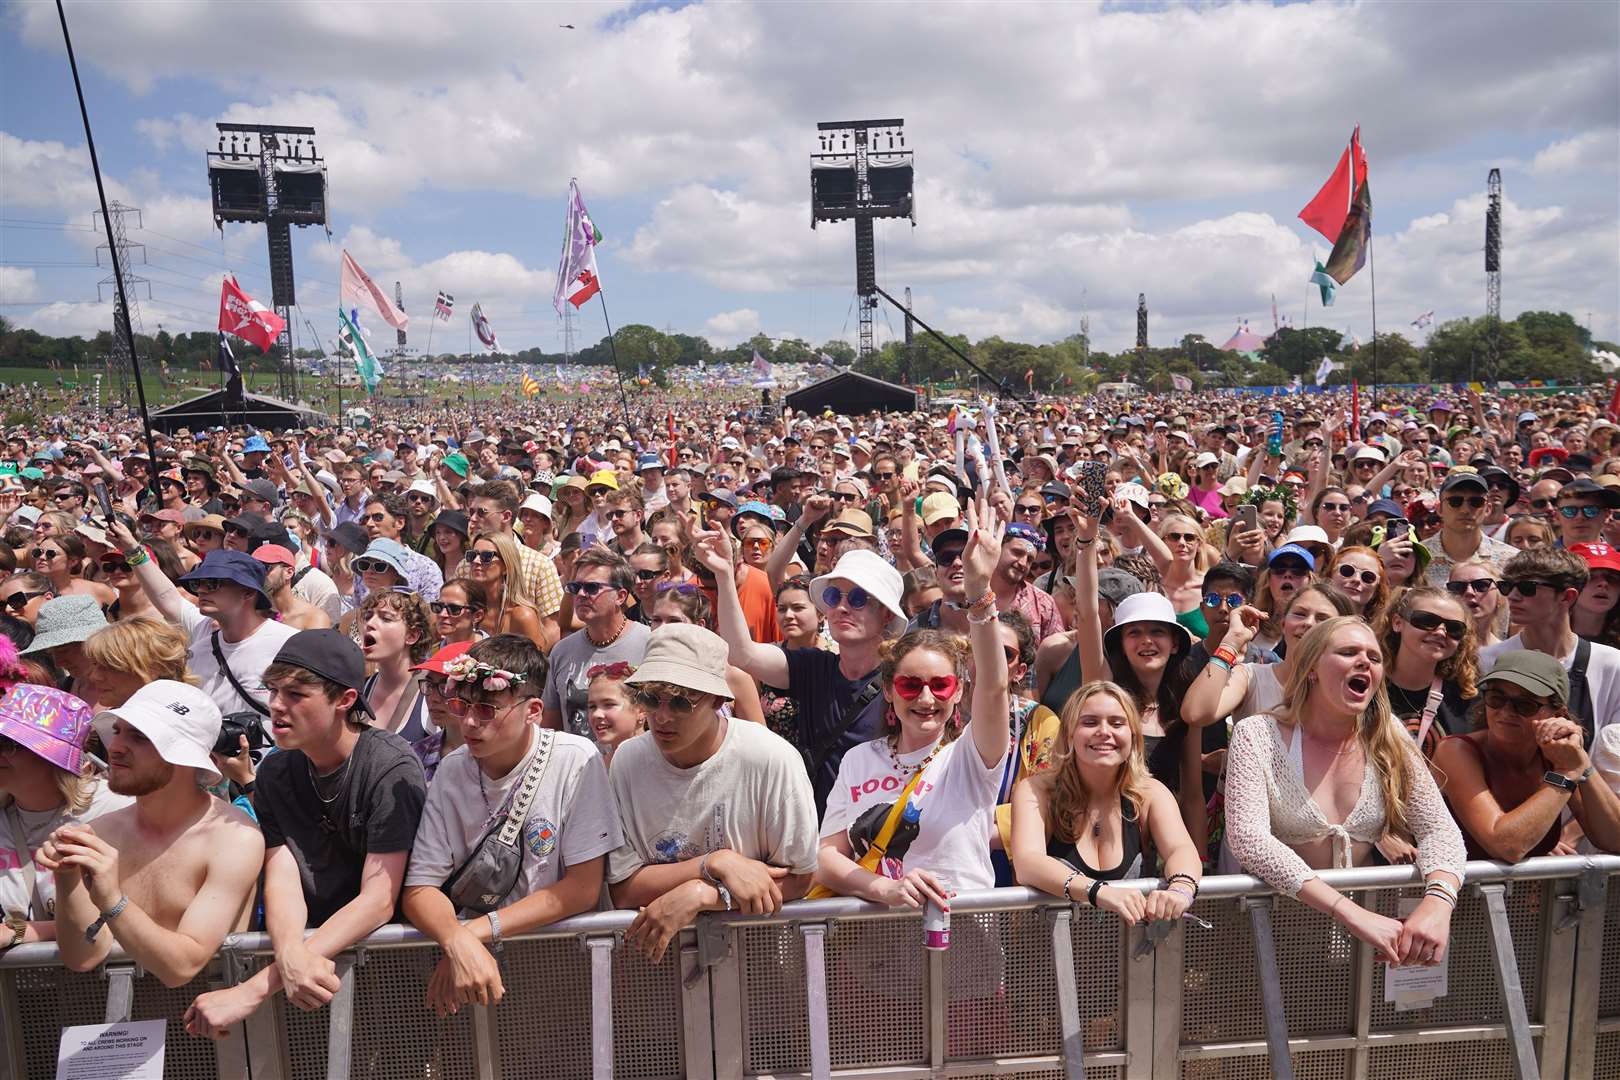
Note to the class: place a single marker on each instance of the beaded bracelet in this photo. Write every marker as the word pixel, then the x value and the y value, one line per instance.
pixel 1084 543
pixel 987 615
pixel 1067 882
pixel 1188 878
pixel 138 557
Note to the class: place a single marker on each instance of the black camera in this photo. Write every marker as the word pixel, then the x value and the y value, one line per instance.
pixel 232 727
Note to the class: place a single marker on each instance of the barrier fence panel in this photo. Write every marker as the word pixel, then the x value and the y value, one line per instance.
pixel 1029 988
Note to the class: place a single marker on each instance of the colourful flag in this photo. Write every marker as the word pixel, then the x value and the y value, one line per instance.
pixel 1324 369
pixel 1326 212
pixel 1320 279
pixel 530 387
pixel 485 332
pixel 761 365
pixel 577 279
pixel 357 290
pixel 1180 382
pixel 245 317
pixel 1613 410
pixel 1350 253
pixel 1423 320
pixel 445 305
pixel 227 359
pixel 352 340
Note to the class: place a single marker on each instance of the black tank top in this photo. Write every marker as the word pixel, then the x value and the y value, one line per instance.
pixel 1064 683
pixel 1130 859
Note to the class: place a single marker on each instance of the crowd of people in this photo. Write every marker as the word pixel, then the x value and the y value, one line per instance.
pixel 483 678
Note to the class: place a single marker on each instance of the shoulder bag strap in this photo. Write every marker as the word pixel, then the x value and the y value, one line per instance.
pixel 518 810
pixel 1430 709
pixel 219 657
pixel 25 855
pixel 1580 694
pixel 300 575
pixel 885 836
pixel 827 746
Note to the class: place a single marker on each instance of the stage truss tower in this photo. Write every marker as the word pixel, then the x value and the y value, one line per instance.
pixel 118 233
pixel 1493 271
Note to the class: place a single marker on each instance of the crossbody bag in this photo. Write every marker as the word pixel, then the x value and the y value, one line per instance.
pixel 490 871
pixel 880 844
pixel 230 676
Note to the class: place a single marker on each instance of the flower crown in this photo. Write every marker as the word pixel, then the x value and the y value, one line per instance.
pixel 619 669
pixel 466 669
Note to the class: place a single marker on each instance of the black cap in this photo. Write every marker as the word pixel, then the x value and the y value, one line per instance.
pixel 246 522
pixel 349 535
pixel 332 656
pixel 1591 489
pixel 1495 474
pixel 450 519
pixel 1457 479
pixel 1055 490
pixel 272 532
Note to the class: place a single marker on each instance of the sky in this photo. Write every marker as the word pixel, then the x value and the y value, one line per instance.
pixel 1068 157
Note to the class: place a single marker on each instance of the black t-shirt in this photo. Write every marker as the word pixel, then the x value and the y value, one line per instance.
pixel 1452 718
pixel 825 697
pixel 376 811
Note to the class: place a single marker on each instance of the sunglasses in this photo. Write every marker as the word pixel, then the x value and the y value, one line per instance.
pixel 455 611
pixel 885 477
pixel 376 519
pixel 832 595
pixel 19 600
pixel 910 687
pixel 417 496
pixel 45 553
pixel 482 711
pixel 1289 566
pixel 1481 586
pixel 1335 508
pixel 586 588
pixel 758 542
pixel 1349 572
pixel 1011 654
pixel 620 512
pixel 648 575
pixel 681 588
pixel 1213 601
pixel 483 558
pixel 232 505
pixel 372 566
pixel 1527 588
pixel 1178 538
pixel 1030 508
pixel 1522 707
pixel 1429 620
pixel 946 556
pixel 64 496
pixel 114 564
pixel 1570 513
pixel 1542 504
pixel 234 530
pixel 207 585
pixel 846 497
pixel 679 704
pixel 1473 502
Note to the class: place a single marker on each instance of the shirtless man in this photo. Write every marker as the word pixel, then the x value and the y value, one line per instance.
pixel 170 876
pixel 296 612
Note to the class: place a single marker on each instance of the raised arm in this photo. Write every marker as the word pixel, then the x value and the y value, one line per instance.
pixel 1315 484
pixel 816 507
pixel 159 589
pixel 1138 530
pixel 767 663
pixel 1087 615
pixel 910 535
pixel 1222 685
pixel 990 723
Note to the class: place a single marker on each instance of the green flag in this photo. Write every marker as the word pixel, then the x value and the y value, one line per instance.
pixel 1321 280
pixel 351 341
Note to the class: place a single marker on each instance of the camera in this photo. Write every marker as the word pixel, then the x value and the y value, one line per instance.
pixel 232 727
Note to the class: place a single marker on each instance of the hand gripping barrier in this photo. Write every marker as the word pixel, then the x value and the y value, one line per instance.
pixel 1031 987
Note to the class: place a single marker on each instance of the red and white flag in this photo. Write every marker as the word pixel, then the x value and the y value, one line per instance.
pixel 357 290
pixel 245 317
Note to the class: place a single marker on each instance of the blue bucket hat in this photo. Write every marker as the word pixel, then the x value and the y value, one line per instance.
pixel 1296 551
pixel 389 551
pixel 649 461
pixel 255 445
pixel 236 567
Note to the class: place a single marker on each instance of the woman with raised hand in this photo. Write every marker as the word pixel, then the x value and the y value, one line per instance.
pixel 1097 817
pixel 947 785
pixel 1316 782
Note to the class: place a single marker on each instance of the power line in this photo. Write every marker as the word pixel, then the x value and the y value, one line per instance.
pixel 25 223
pixel 57 265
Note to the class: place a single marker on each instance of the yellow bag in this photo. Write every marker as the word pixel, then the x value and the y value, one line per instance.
pixel 880 846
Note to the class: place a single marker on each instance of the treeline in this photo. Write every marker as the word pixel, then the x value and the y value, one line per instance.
pixel 1537 345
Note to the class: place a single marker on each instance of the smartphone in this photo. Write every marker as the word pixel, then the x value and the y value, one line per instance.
pixel 1247 517
pixel 100 489
pixel 1092 477
pixel 1398 528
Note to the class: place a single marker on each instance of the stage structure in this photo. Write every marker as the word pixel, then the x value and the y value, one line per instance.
pixel 861 174
pixel 1141 324
pixel 1493 272
pixel 270 174
pixel 117 229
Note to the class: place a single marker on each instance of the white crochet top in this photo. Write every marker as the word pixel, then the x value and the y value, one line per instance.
pixel 1269 811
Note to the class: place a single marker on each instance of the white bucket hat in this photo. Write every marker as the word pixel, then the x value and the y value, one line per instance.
pixel 877 578
pixel 539 504
pixel 1148 607
pixel 180 720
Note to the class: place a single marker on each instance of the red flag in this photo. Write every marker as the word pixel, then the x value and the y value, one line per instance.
pixel 245 317
pixel 1614 402
pixel 669 421
pixel 1355 408
pixel 1326 212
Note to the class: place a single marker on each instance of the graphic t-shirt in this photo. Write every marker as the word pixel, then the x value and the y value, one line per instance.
pixel 827 731
pixel 574 656
pixel 37 826
pixel 751 797
pixel 572 819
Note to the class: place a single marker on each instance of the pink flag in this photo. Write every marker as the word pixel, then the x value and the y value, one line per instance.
pixel 246 317
pixel 357 290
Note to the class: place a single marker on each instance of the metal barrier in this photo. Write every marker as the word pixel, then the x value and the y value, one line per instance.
pixel 1030 988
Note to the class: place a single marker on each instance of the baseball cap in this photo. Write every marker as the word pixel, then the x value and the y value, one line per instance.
pixel 1206 459
pixel 1538 672
pixel 262 489
pixel 604 478
pixel 1599 556
pixel 1458 478
pixel 50 722
pixel 332 656
pixel 1294 550
pixel 648 461
pixel 940 507
pixel 1590 489
pixel 686 656
pixel 1114 585
pixel 173 517
pixel 350 536
pixel 1528 417
pixel 179 720
pixel 275 555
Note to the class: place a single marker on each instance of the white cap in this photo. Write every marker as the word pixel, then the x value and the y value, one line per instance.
pixel 180 721
pixel 1206 458
pixel 867 570
pixel 1369 453
pixel 422 486
pixel 1307 534
pixel 1135 493
pixel 539 504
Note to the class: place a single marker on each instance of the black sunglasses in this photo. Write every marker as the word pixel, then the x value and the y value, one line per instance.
pixel 1456 502
pixel 648 575
pixel 1523 707
pixel 1368 577
pixel 1481 586
pixel 455 611
pixel 483 557
pixel 586 588
pixel 1527 588
pixel 1429 620
pixel 679 704
pixel 19 600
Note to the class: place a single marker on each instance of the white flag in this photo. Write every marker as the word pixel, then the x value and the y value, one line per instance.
pixel 1423 320
pixel 1324 369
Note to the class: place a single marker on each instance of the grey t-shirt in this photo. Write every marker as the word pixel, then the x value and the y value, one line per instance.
pixel 752 797
pixel 572 657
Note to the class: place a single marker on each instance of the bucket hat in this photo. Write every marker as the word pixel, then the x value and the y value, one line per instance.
pixel 181 722
pixel 686 656
pixel 237 567
pixel 51 723
pixel 389 551
pixel 868 571
pixel 65 620
pixel 1147 607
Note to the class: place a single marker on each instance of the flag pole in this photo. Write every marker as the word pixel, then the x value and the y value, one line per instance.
pixel 112 250
pixel 624 403
pixel 1372 280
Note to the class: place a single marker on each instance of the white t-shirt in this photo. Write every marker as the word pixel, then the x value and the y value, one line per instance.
pixel 571 820
pixel 1264 694
pixel 956 797
pixel 37 827
pixel 248 658
pixel 316 586
pixel 752 796
pixel 1602 675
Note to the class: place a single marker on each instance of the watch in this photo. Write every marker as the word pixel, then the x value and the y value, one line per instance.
pixel 107 916
pixel 1560 781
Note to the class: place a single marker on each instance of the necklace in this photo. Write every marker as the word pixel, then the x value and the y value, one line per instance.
pixel 623 623
pixel 901 767
pixel 335 777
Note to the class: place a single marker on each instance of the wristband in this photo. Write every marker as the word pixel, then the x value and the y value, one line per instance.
pixel 1188 879
pixel 106 917
pixel 1084 543
pixel 1091 893
pixel 1190 894
pixel 988 615
pixel 1067 882
pixel 1216 661
pixel 494 932
pixel 140 556
pixel 1227 653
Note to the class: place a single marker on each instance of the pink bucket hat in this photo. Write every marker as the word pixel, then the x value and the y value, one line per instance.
pixel 50 722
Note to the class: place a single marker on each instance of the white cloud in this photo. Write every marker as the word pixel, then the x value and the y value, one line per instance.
pixel 1593 151
pixel 18 285
pixel 729 327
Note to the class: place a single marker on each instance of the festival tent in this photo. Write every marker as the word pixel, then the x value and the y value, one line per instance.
pixel 207 410
pixel 1244 341
pixel 852 393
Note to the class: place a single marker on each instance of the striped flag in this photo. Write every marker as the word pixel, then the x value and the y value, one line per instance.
pixel 444 306
pixel 485 332
pixel 577 279
pixel 530 387
pixel 761 365
pixel 1423 320
pixel 352 340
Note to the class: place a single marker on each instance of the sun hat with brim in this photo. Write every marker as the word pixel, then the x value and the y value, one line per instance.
pixel 1385 506
pixel 1598 556
pixel 455 520
pixel 179 720
pixel 256 445
pixel 434 664
pixel 1538 672
pixel 456 463
pixel 687 656
pixel 1147 607
pixel 1591 489
pixel 538 503
pixel 850 522
pixel 1296 551
pixel 50 722
pixel 389 551
pixel 65 620
pixel 236 567
pixel 213 522
pixel 1134 493
pixel 866 570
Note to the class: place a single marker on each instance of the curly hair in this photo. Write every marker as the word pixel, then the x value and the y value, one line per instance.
pixel 953 647
pixel 1462 667
pixel 1062 790
pixel 1142 568
pixel 412 611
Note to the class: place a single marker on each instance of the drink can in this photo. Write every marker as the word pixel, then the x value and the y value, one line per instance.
pixel 936 926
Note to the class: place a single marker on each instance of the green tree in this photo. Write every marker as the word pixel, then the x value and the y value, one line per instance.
pixel 1300 352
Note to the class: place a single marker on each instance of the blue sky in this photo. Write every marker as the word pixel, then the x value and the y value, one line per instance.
pixel 1068 158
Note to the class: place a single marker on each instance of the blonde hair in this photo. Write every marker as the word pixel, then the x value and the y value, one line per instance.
pixel 1062 789
pixel 143 646
pixel 1202 558
pixel 1383 739
pixel 506 547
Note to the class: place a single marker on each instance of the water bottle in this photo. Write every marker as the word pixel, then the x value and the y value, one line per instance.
pixel 936 927
pixel 1274 440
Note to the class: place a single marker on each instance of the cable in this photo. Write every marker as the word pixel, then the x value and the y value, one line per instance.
pixel 58 265
pixel 23 223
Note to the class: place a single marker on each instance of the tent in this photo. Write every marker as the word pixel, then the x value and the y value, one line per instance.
pixel 1244 340
pixel 852 393
pixel 207 410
